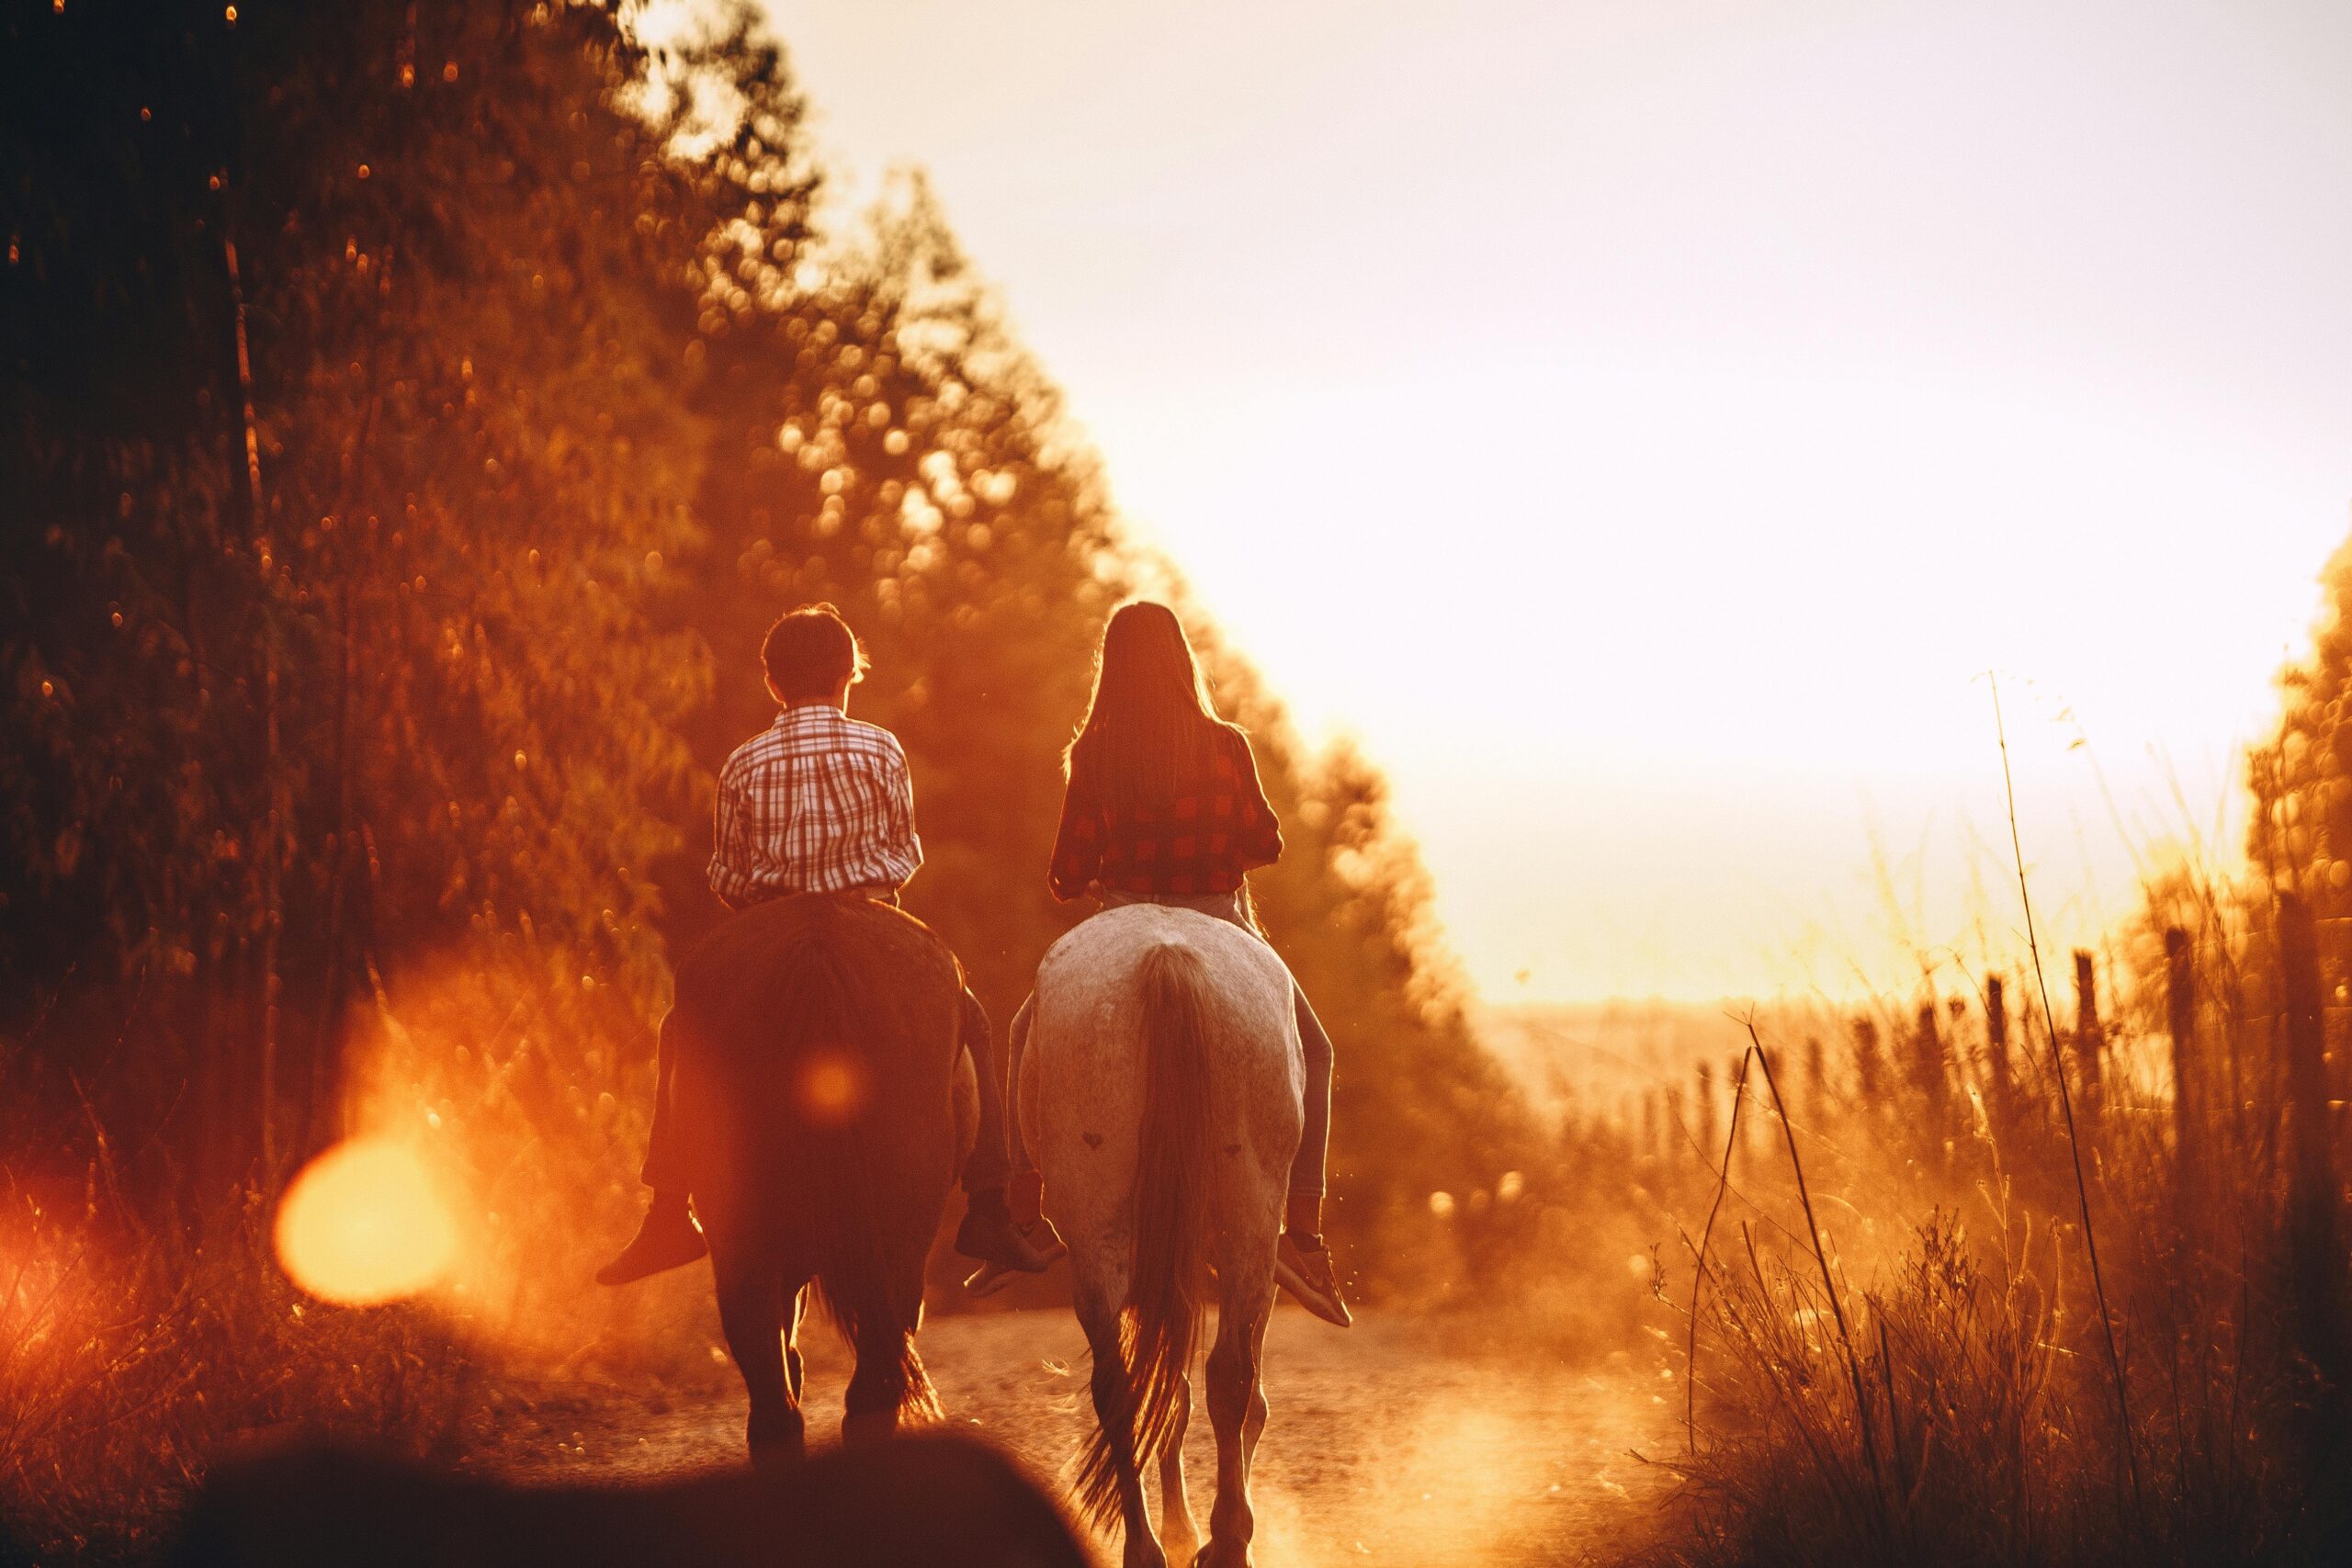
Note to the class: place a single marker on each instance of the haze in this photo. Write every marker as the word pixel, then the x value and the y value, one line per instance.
pixel 1639 427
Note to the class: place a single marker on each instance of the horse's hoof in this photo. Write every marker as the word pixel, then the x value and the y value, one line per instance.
pixel 1217 1555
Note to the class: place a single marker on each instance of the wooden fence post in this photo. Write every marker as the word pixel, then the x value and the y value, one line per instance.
pixel 2189 1174
pixel 1996 1054
pixel 1927 1075
pixel 1866 1064
pixel 1816 1079
pixel 1706 1116
pixel 2315 1262
pixel 2089 1041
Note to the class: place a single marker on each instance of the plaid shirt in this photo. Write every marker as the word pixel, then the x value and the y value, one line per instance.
pixel 1202 841
pixel 816 803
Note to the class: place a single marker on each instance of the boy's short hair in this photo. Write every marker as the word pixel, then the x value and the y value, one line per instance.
pixel 810 651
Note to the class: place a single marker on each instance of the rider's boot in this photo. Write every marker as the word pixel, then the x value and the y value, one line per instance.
pixel 1303 1264
pixel 668 1238
pixel 1008 1245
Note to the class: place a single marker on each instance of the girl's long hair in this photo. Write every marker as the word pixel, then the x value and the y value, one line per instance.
pixel 1151 728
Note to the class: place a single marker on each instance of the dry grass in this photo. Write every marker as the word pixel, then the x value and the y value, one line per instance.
pixel 1923 1376
pixel 140 1339
pixel 133 1355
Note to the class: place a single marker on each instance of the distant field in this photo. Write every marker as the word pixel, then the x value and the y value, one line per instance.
pixel 1597 1058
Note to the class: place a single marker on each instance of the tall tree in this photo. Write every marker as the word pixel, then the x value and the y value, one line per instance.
pixel 340 344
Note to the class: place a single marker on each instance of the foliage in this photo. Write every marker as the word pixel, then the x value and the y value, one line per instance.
pixel 134 1354
pixel 384 681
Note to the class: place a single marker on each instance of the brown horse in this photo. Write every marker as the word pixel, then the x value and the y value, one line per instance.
pixel 821 1081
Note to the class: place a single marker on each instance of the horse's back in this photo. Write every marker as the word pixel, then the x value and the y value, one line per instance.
pixel 815 1028
pixel 735 985
pixel 1086 1058
pixel 1086 983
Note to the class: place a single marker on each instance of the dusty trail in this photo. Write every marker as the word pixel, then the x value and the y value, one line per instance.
pixel 1381 1447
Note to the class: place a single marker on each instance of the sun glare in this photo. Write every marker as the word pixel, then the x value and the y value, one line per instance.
pixel 363 1224
pixel 830 1088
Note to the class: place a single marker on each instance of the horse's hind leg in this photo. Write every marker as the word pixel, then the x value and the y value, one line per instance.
pixel 796 1311
pixel 1237 1404
pixel 879 1388
pixel 751 1315
pixel 1098 1313
pixel 887 1367
pixel 1178 1535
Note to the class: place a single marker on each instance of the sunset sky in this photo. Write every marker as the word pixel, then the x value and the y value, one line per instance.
pixel 1640 425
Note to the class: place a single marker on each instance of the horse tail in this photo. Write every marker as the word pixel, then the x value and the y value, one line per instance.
pixel 833 1167
pixel 1159 1324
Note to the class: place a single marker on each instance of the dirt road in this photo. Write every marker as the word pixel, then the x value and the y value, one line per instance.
pixel 1382 1449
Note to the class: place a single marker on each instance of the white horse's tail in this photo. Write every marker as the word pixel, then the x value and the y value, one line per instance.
pixel 1175 1184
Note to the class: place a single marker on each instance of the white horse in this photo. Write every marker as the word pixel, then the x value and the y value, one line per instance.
pixel 1162 1090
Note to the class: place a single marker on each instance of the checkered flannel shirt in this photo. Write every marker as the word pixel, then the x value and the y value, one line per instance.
pixel 1202 841
pixel 816 803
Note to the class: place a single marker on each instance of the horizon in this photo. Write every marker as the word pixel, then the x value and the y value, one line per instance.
pixel 1747 380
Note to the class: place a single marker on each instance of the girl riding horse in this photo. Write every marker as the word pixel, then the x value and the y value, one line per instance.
pixel 1164 806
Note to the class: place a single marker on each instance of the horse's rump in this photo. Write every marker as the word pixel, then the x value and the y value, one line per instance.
pixel 1087 1056
pixel 817 1039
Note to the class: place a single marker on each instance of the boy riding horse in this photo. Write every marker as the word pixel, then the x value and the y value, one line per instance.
pixel 818 802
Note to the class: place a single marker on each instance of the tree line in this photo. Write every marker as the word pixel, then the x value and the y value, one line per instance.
pixel 414 412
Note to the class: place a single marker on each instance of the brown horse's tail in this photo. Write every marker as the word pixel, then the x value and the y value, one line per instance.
pixel 1160 1326
pixel 830 1160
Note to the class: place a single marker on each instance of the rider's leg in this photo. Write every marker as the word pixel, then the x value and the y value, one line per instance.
pixel 1307 1168
pixel 667 1236
pixel 1302 1263
pixel 1028 1188
pixel 987 1232
pixel 1024 1200
pixel 989 1164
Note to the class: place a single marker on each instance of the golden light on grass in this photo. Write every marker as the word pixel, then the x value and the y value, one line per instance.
pixel 830 1087
pixel 363 1224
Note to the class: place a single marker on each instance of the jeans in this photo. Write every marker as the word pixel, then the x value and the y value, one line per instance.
pixel 1307 1170
pixel 668 1167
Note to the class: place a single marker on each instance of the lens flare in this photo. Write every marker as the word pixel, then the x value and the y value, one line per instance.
pixel 830 1087
pixel 363 1224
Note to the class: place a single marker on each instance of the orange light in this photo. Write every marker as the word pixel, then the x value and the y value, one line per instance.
pixel 830 1087
pixel 363 1224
